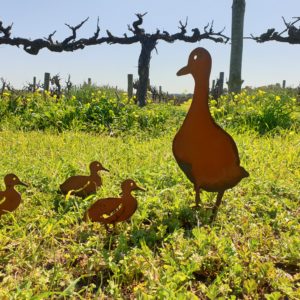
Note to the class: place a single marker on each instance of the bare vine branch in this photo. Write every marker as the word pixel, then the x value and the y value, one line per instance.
pixel 74 31
pixel 292 37
pixel 71 43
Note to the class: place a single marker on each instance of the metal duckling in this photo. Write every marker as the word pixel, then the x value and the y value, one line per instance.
pixel 205 152
pixel 10 199
pixel 84 186
pixel 113 210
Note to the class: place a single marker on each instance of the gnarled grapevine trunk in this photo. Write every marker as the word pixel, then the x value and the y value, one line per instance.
pixel 143 70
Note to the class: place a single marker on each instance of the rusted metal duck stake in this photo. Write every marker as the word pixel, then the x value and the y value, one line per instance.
pixel 114 210
pixel 84 186
pixel 10 199
pixel 203 150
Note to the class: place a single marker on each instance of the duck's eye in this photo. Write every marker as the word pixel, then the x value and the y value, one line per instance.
pixel 98 165
pixel 131 184
pixel 14 178
pixel 195 57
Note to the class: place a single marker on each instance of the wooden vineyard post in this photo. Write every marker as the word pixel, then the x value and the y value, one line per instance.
pixel 46 81
pixel 283 84
pixel 130 86
pixel 213 85
pixel 160 93
pixel 34 84
pixel 221 83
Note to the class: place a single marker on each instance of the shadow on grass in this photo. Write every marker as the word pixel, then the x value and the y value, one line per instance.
pixel 156 228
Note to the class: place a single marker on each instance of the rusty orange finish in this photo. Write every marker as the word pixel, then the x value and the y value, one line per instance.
pixel 10 199
pixel 113 210
pixel 84 186
pixel 203 150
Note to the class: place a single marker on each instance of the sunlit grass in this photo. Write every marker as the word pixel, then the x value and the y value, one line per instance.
pixel 168 250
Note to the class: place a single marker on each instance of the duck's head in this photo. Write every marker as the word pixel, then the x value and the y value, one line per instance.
pixel 96 166
pixel 11 180
pixel 129 185
pixel 199 64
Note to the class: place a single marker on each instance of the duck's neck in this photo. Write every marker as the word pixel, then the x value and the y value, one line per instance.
pixel 199 106
pixel 94 173
pixel 96 177
pixel 11 190
pixel 128 196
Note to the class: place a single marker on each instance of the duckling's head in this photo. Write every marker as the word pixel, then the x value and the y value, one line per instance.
pixel 129 185
pixel 199 64
pixel 96 166
pixel 11 180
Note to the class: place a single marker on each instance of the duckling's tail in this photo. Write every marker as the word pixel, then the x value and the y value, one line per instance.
pixel 244 173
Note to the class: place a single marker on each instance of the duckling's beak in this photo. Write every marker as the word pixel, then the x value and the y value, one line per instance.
pixel 22 183
pixel 104 169
pixel 183 71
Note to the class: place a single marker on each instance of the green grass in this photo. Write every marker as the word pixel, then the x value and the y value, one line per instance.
pixel 168 250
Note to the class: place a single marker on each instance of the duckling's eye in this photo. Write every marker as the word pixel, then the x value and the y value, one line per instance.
pixel 98 165
pixel 14 178
pixel 195 57
pixel 131 184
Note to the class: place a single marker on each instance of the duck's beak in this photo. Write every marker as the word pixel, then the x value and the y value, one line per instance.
pixel 104 169
pixel 183 71
pixel 22 183
pixel 139 189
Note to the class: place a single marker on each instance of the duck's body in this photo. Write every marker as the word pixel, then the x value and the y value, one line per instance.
pixel 113 210
pixel 10 199
pixel 83 186
pixel 210 163
pixel 203 150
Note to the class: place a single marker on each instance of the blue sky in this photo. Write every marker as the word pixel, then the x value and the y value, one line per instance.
pixel 109 64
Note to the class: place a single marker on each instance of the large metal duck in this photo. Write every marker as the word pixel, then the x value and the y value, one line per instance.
pixel 10 199
pixel 84 186
pixel 113 210
pixel 205 152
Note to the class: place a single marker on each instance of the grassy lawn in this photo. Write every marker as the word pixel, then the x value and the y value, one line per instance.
pixel 168 250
